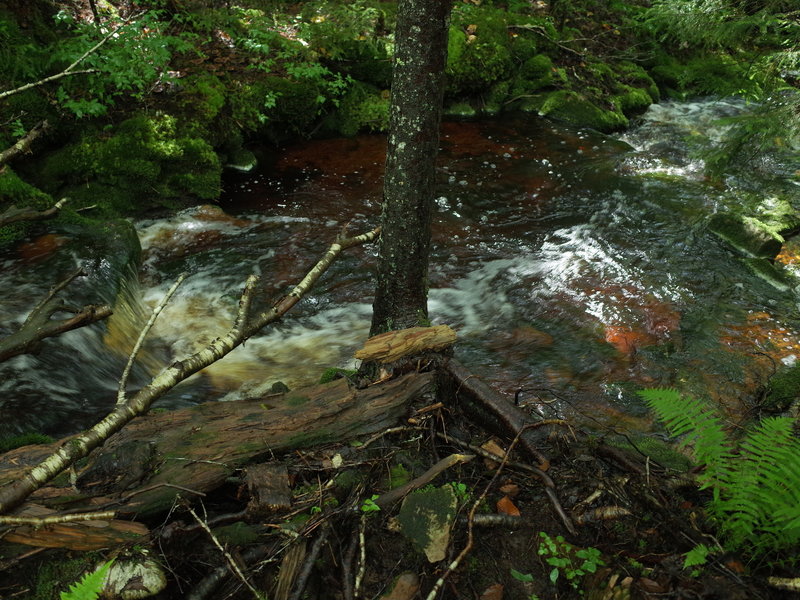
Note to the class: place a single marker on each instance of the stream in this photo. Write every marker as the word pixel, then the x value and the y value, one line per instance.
pixel 573 265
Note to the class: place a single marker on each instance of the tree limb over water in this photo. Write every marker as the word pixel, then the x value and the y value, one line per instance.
pixel 40 323
pixel 245 326
pixel 13 214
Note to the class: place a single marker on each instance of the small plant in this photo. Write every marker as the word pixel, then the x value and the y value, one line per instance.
pixel 696 557
pixel 524 578
pixel 89 586
pixel 567 560
pixel 755 484
pixel 369 506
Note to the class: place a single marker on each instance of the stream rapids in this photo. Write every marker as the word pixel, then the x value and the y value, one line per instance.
pixel 573 265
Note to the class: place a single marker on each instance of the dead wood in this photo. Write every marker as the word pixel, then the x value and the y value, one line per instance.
pixel 88 535
pixel 40 323
pixel 246 324
pixel 23 145
pixel 13 214
pixel 391 346
pixel 201 447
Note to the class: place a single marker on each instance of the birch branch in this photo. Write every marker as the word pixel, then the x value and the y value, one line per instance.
pixel 24 143
pixel 69 70
pixel 123 381
pixel 14 493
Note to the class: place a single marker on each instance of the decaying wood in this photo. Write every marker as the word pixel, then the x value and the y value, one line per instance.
pixel 13 214
pixel 40 323
pixel 491 409
pixel 391 346
pixel 508 417
pixel 23 144
pixel 245 326
pixel 268 485
pixel 85 535
pixel 202 446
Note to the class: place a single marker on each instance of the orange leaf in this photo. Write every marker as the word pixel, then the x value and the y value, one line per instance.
pixel 510 489
pixel 506 507
pixel 493 592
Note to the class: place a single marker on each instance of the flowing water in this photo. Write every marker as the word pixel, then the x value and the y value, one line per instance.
pixel 573 265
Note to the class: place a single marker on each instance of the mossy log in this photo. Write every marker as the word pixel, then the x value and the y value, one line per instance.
pixel 141 469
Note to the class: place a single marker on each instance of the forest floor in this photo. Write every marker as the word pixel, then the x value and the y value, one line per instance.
pixel 322 523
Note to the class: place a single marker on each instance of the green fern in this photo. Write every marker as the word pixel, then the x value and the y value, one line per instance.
pixel 756 489
pixel 89 586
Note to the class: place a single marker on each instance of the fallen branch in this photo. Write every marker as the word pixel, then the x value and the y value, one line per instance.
pixel 245 326
pixel 40 324
pixel 24 143
pixel 14 214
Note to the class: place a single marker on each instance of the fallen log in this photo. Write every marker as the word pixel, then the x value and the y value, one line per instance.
pixel 142 468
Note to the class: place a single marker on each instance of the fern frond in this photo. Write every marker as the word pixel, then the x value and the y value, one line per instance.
pixel 700 427
pixel 89 586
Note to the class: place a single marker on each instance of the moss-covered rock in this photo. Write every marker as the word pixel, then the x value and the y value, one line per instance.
pixel 783 389
pixel 15 191
pixel 575 109
pixel 479 49
pixel 363 108
pixel 766 270
pixel 534 74
pixel 746 234
pixel 144 161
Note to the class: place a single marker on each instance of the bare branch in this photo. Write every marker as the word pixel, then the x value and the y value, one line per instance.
pixel 71 518
pixel 14 214
pixel 40 324
pixel 24 143
pixel 123 381
pixel 14 493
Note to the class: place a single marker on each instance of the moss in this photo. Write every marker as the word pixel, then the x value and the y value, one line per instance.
pixel 335 373
pixel 783 389
pixel 576 109
pixel 363 108
pixel 534 74
pixel 23 439
pixel 479 49
pixel 202 97
pixel 749 235
pixel 634 75
pixel 237 534
pixel 460 110
pixel 55 576
pixel 142 162
pixel 630 100
pixel 14 190
pixel 656 449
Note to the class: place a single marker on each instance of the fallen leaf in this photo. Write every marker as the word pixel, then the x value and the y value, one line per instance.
pixel 493 592
pixel 506 507
pixel 510 489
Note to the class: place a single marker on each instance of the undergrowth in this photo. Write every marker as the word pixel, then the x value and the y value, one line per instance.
pixel 755 481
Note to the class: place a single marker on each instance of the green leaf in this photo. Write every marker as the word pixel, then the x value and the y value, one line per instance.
pixel 89 586
pixel 524 577
pixel 554 575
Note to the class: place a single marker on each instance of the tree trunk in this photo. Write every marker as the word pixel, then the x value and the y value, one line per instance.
pixel 401 295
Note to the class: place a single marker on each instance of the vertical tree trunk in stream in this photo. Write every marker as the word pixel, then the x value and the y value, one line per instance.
pixel 401 295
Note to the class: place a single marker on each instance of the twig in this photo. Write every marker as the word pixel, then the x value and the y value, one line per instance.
pixel 51 520
pixel 470 523
pixel 24 143
pixel 362 556
pixel 308 564
pixel 234 567
pixel 14 214
pixel 397 493
pixel 123 381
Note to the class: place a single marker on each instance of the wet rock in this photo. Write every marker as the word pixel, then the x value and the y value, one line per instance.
pixel 748 235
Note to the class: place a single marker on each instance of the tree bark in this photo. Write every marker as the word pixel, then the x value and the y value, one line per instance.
pixel 401 295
